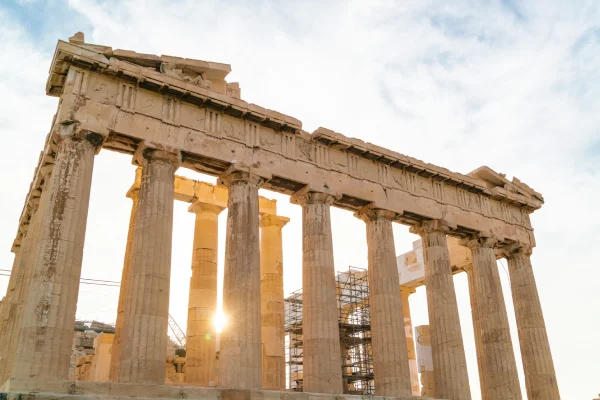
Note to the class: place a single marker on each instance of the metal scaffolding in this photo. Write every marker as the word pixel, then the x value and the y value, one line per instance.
pixel 354 321
pixel 293 329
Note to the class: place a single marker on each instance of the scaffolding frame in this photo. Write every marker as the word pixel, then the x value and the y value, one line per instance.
pixel 354 321
pixel 293 330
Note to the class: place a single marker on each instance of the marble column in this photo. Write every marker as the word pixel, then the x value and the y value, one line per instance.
pixel 201 334
pixel 425 361
pixel 5 324
pixel 321 350
pixel 390 355
pixel 498 358
pixel 405 292
pixel 46 334
pixel 24 271
pixel 240 354
pixel 272 303
pixel 115 350
pixel 145 320
pixel 476 331
pixel 540 377
pixel 449 361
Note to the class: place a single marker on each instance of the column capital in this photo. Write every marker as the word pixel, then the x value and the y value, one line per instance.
pixel 133 193
pixel 407 289
pixel 199 207
pixel 468 268
pixel 68 130
pixel 242 173
pixel 307 195
pixel 478 241
pixel 369 213
pixel 434 225
pixel 273 220
pixel 16 246
pixel 145 154
pixel 515 249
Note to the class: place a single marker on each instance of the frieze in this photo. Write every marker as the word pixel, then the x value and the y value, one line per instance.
pixel 165 108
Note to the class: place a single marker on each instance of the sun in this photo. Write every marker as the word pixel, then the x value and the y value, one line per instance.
pixel 219 321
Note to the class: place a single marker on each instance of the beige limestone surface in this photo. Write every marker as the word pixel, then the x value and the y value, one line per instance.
pixel 449 362
pixel 425 360
pixel 405 293
pixel 201 334
pixel 498 359
pixel 241 355
pixel 272 305
pixel 390 357
pixel 142 355
pixel 540 377
pixel 477 331
pixel 21 279
pixel 133 194
pixel 322 365
pixel 124 96
pixel 44 344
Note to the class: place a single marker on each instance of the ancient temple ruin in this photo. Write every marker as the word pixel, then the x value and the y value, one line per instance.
pixel 169 113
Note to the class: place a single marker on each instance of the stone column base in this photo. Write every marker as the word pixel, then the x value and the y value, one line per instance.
pixel 38 389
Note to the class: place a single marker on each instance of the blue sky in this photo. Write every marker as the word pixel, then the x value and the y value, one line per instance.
pixel 514 85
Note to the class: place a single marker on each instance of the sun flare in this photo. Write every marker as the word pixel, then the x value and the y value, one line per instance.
pixel 219 321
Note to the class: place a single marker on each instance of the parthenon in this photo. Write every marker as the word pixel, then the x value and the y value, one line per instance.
pixel 168 113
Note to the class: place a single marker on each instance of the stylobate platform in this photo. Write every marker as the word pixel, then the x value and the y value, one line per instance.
pixel 30 389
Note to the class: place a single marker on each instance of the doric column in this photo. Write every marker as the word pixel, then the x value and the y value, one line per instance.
pixel 23 270
pixel 201 333
pixel 449 362
pixel 405 292
pixel 46 335
pixel 115 350
pixel 425 361
pixel 5 323
pixel 540 378
pixel 390 355
pixel 272 304
pixel 240 353
pixel 476 330
pixel 322 369
pixel 498 358
pixel 145 320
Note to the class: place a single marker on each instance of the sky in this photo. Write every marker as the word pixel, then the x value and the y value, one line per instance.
pixel 514 85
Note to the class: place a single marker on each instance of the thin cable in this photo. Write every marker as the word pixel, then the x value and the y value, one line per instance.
pixel 99 284
pixel 99 280
pixel 505 270
pixel 85 283
pixel 116 283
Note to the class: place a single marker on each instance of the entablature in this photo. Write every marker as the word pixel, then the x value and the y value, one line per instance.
pixel 129 104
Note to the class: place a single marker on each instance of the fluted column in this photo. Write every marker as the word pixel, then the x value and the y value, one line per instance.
pixel 540 377
pixel 272 303
pixel 405 292
pixel 498 361
pixel 145 320
pixel 322 369
pixel 46 335
pixel 201 333
pixel 390 355
pixel 115 350
pixel 240 353
pixel 449 361
pixel 23 271
pixel 476 331
pixel 425 361
pixel 5 323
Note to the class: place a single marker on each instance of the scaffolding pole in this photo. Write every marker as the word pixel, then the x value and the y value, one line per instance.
pixel 354 321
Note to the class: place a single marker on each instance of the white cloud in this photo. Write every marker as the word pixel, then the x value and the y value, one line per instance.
pixel 512 86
